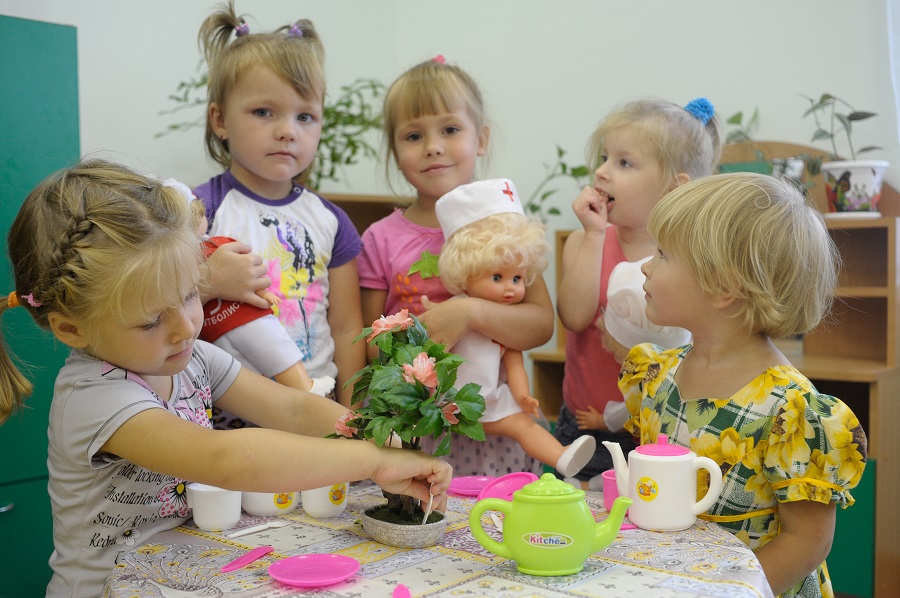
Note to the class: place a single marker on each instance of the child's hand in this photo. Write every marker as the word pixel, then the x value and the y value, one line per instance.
pixel 530 405
pixel 590 208
pixel 414 474
pixel 447 322
pixel 590 420
pixel 236 274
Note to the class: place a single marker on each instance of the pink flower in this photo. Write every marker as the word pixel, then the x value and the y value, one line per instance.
pixel 450 410
pixel 341 426
pixel 422 369
pixel 398 321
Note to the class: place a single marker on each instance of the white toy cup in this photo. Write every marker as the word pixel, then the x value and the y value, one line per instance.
pixel 214 509
pixel 328 501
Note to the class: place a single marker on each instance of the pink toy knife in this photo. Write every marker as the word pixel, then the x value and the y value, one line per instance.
pixel 243 561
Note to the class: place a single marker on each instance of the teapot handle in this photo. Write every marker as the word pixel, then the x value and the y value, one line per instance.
pixel 715 484
pixel 489 544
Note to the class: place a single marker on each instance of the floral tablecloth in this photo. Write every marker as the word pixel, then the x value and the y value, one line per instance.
pixel 703 561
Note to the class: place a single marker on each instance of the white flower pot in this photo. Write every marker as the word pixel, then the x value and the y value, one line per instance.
pixel 853 187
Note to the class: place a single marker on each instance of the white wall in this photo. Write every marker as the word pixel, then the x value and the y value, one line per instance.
pixel 549 71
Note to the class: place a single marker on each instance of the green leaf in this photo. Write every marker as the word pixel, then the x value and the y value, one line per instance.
pixel 859 115
pixel 443 447
pixel 431 423
pixel 868 148
pixel 473 429
pixel 470 402
pixel 580 171
pixel 426 266
pixel 381 428
pixel 821 134
pixel 735 119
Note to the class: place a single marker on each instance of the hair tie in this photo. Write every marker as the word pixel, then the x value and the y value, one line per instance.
pixel 242 29
pixel 701 109
pixel 294 31
pixel 439 59
pixel 12 300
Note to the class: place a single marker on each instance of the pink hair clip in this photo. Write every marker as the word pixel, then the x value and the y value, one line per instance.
pixel 439 59
pixel 30 299
pixel 242 29
pixel 295 31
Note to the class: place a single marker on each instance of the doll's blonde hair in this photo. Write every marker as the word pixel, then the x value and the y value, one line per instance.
pixel 501 240
pixel 293 52
pixel 758 238
pixel 682 143
pixel 429 88
pixel 99 241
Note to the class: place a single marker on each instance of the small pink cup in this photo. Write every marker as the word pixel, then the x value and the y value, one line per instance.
pixel 610 490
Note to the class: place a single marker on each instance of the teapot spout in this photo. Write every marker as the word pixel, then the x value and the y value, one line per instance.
pixel 606 532
pixel 619 465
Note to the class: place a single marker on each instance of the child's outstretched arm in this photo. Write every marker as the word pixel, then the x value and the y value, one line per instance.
pixel 579 289
pixel 522 326
pixel 807 531
pixel 345 320
pixel 270 459
pixel 233 272
pixel 517 378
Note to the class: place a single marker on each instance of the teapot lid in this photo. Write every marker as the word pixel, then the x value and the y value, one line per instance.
pixel 662 448
pixel 548 485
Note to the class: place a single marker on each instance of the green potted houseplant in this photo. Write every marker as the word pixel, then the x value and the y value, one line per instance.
pixel 408 393
pixel 853 186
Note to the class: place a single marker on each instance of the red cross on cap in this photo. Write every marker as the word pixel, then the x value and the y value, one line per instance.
pixel 509 192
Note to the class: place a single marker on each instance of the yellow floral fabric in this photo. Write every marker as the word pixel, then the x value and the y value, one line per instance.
pixel 776 440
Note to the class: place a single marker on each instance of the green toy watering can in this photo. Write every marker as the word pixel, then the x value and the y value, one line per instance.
pixel 548 528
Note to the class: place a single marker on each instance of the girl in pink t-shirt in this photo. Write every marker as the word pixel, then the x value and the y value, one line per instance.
pixel 435 130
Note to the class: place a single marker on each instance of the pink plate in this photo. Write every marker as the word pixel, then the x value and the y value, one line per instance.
pixel 469 485
pixel 504 486
pixel 313 570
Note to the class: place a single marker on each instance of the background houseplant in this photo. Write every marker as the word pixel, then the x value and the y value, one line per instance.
pixel 853 186
pixel 537 203
pixel 408 392
pixel 347 120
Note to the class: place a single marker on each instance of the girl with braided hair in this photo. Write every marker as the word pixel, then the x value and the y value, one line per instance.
pixel 108 260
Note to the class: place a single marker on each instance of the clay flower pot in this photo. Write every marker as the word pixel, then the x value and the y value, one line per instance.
pixel 403 535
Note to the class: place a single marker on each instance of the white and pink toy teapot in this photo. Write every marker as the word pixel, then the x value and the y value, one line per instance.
pixel 661 481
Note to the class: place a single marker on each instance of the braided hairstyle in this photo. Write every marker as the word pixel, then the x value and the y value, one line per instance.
pixel 93 242
pixel 293 52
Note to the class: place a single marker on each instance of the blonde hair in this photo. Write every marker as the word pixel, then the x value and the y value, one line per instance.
pixel 299 60
pixel 682 142
pixel 500 240
pixel 89 242
pixel 429 88
pixel 758 238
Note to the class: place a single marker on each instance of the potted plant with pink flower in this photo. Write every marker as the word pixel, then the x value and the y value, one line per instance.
pixel 408 393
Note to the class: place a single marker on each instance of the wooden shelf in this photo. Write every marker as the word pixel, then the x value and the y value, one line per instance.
pixel 363 210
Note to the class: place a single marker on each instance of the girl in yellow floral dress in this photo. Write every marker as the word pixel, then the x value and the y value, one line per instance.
pixel 743 259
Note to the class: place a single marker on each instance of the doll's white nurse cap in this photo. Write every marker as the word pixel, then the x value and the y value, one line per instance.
pixel 626 317
pixel 469 203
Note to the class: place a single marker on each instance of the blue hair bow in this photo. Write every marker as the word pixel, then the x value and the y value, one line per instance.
pixel 701 109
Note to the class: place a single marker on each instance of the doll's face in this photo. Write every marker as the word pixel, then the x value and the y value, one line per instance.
pixel 502 285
